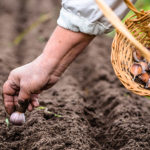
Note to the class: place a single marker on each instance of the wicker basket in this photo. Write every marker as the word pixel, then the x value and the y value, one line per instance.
pixel 135 34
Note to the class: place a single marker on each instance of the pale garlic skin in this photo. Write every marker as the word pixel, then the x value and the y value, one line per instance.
pixel 17 118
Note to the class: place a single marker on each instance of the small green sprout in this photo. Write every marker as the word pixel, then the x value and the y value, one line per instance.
pixel 41 107
pixel 56 115
pixel 7 122
pixel 49 112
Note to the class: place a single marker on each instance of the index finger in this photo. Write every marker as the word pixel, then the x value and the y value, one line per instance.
pixel 8 96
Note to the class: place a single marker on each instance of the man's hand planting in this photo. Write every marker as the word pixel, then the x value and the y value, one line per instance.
pixel 26 82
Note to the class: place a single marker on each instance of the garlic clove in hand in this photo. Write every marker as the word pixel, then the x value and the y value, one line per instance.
pixel 17 118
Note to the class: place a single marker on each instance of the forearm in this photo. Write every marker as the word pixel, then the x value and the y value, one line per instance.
pixel 60 43
pixel 70 57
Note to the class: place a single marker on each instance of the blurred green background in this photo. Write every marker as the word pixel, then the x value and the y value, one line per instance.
pixel 140 4
pixel 143 4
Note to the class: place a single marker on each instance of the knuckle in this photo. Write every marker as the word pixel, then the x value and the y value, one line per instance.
pixel 12 73
pixel 9 87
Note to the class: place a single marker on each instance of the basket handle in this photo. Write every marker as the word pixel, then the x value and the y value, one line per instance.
pixel 116 22
pixel 133 8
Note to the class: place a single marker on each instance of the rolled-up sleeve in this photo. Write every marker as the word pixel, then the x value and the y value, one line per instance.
pixel 84 16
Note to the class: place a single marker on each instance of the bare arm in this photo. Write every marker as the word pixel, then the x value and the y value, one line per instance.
pixel 25 82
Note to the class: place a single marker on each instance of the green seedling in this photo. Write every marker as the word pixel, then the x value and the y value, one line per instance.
pixel 41 108
pixel 49 112
pixel 56 115
pixel 7 122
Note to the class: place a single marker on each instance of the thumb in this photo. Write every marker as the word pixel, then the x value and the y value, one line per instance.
pixel 23 100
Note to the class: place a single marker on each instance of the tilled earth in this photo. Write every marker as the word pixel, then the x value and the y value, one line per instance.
pixel 90 109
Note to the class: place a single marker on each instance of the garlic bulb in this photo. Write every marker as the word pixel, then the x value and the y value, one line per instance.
pixel 17 118
pixel 136 69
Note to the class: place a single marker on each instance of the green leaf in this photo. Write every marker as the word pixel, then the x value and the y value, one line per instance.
pixel 49 112
pixel 41 107
pixel 44 108
pixel 56 115
pixel 7 122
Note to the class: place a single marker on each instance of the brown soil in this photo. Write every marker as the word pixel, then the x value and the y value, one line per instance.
pixel 97 112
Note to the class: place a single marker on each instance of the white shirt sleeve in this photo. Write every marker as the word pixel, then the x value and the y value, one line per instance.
pixel 85 16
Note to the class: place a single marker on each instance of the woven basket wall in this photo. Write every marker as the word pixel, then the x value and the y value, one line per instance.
pixel 122 50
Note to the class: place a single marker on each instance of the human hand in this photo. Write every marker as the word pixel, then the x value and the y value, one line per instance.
pixel 26 82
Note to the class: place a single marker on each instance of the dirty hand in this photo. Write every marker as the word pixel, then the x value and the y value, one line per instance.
pixel 26 82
